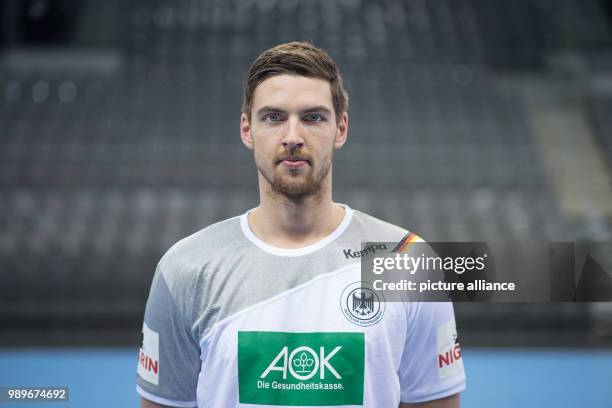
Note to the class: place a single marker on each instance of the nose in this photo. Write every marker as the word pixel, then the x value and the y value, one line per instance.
pixel 293 137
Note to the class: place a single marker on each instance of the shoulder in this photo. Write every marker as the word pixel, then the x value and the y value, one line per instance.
pixel 376 229
pixel 205 241
pixel 186 259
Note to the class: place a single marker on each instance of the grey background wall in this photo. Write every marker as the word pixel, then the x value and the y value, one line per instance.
pixel 469 120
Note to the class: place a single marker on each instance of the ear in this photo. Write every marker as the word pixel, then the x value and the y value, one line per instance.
pixel 245 131
pixel 341 131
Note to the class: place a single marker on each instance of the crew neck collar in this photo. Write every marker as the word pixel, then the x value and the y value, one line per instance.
pixel 246 229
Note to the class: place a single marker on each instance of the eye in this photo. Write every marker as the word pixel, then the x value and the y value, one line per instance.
pixel 272 117
pixel 314 117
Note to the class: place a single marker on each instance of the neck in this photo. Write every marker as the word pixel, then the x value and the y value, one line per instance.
pixel 294 222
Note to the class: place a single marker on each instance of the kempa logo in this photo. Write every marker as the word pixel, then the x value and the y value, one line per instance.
pixel 281 368
pixel 305 363
pixel 370 249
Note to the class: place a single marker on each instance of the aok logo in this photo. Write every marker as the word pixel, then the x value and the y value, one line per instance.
pixel 303 368
pixel 303 363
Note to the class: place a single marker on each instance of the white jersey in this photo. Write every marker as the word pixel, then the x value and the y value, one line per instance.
pixel 232 321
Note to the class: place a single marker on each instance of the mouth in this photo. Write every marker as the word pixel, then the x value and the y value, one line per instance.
pixel 293 162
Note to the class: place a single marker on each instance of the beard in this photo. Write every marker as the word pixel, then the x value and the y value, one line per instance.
pixel 296 184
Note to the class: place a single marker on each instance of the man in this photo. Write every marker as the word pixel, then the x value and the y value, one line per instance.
pixel 267 308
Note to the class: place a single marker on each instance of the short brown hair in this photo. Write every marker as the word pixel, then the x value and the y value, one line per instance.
pixel 295 58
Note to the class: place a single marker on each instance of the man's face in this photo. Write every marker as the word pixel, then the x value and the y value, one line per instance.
pixel 293 133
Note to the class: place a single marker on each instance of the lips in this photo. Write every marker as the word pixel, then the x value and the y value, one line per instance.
pixel 293 161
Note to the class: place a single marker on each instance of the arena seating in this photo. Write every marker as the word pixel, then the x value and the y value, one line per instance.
pixel 100 174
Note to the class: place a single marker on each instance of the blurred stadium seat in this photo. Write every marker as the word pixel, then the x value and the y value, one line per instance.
pixel 121 136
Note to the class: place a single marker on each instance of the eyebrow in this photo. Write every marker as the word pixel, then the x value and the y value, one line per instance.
pixel 267 109
pixel 318 109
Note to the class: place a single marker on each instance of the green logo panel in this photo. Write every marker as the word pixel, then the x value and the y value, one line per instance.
pixel 279 368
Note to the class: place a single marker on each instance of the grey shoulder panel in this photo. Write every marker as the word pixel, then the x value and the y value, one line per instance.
pixel 374 229
pixel 203 243
pixel 175 349
pixel 188 264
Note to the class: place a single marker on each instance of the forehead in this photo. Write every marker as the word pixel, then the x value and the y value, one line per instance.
pixel 292 91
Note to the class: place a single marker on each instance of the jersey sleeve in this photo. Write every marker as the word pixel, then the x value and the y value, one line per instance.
pixel 169 358
pixel 431 366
